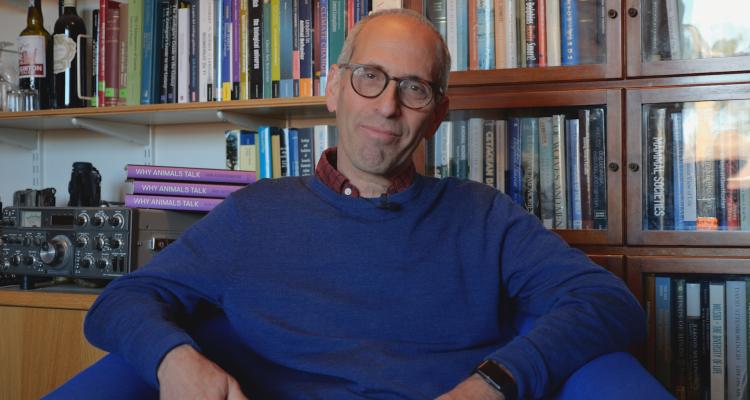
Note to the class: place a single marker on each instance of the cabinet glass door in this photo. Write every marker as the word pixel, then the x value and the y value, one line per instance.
pixel 687 36
pixel 558 40
pixel 695 173
pixel 559 161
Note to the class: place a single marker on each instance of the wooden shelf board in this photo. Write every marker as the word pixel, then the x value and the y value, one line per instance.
pixel 45 298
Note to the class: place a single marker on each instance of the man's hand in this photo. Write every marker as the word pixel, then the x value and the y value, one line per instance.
pixel 473 388
pixel 186 374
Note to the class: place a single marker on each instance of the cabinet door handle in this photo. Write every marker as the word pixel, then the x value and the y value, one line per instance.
pixel 634 167
pixel 632 12
pixel 612 13
pixel 614 167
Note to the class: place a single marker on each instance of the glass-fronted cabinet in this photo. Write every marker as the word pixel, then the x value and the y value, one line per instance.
pixel 503 41
pixel 687 36
pixel 689 178
pixel 559 159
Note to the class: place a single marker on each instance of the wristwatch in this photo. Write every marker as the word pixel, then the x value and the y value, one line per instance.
pixel 498 378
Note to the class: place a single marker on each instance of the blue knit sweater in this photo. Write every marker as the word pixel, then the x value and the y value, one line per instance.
pixel 338 299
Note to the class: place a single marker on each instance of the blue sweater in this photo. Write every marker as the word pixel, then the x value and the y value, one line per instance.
pixel 338 299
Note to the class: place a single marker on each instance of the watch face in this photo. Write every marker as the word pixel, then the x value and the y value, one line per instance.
pixel 498 378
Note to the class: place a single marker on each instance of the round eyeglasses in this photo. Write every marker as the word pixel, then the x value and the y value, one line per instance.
pixel 370 81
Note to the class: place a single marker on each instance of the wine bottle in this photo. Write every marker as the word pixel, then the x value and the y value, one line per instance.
pixel 35 56
pixel 67 29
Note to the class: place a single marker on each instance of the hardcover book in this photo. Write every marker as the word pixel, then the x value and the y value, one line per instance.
pixel 171 202
pixel 162 172
pixel 166 188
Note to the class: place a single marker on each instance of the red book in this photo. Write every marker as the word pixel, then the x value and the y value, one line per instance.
pixel 473 30
pixel 541 21
pixel 112 55
pixel 100 84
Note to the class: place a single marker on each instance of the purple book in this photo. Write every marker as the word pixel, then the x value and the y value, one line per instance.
pixel 185 174
pixel 180 189
pixel 171 202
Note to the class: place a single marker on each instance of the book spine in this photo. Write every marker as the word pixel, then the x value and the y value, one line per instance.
pixel 451 15
pixel 559 186
pixel 500 20
pixel 530 164
pixel 194 52
pixel 173 51
pixel 569 29
pixel 584 126
pixel 546 171
pixel 183 54
pixel 473 34
pixel 305 48
pixel 265 165
pixel 295 47
pixel 336 29
pixel 162 76
pixel 663 371
pixel 278 153
pixel 732 170
pixel 511 34
pixel 554 39
pixel 531 25
pixel 102 59
pixel 460 159
pixel 244 50
pixel 206 49
pixel 316 44
pixel 266 51
pixel 490 147
pixel 501 153
pixel 736 334
pixel 286 49
pixel 236 54
pixel 122 83
pixel 323 46
pixel 292 152
pixel 227 48
pixel 699 121
pixel 305 157
pixel 679 332
pixel 659 203
pixel 219 50
pixel 705 344
pixel 256 51
pixel 485 34
pixel 275 48
pixel 112 55
pixel 572 134
pixel 597 130
pixel 436 14
pixel 147 53
pixel 95 37
pixel 171 203
pixel 541 32
pixel 248 150
pixel 135 56
pixel 689 195
pixel 515 157
pixel 462 42
pixel 159 172
pixel 649 297
pixel 694 384
pixel 444 150
pixel 718 340
pixel 475 149
pixel 678 172
pixel 180 189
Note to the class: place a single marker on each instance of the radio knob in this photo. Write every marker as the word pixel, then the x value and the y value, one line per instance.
pixel 4 238
pixel 27 241
pixel 15 260
pixel 38 241
pixel 82 241
pixel 29 260
pixel 82 219
pixel 87 262
pixel 115 243
pixel 97 220
pixel 54 251
pixel 116 220
pixel 102 264
pixel 101 241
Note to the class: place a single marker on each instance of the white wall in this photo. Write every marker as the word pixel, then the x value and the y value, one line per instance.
pixel 194 145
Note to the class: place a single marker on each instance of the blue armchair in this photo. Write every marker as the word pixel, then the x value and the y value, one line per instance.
pixel 611 376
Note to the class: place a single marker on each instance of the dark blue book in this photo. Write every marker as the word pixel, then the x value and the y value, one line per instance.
pixel 598 132
pixel 514 181
pixel 266 51
pixel 292 152
pixel 286 83
pixel 194 52
pixel 256 43
pixel 305 48
pixel 151 44
pixel 569 29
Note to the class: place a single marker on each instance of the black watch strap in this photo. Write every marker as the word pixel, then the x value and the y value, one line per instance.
pixel 498 378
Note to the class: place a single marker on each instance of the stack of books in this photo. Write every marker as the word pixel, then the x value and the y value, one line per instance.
pixel 181 188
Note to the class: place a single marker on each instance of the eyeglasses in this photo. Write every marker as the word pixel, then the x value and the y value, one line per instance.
pixel 370 81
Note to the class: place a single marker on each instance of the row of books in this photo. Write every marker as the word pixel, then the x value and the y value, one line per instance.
pixel 275 152
pixel 179 51
pixel 695 154
pixel 181 188
pixel 555 166
pixel 496 34
pixel 167 51
pixel 698 334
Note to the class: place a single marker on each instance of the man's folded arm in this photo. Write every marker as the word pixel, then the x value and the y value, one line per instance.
pixel 581 310
pixel 140 316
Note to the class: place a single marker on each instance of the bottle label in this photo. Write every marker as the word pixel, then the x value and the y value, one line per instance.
pixel 32 60
pixel 64 52
pixel 69 3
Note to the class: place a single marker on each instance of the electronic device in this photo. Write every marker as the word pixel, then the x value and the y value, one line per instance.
pixel 85 242
pixel 79 242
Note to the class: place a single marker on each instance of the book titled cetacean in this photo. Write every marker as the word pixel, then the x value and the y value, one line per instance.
pixel 158 172
pixel 187 189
